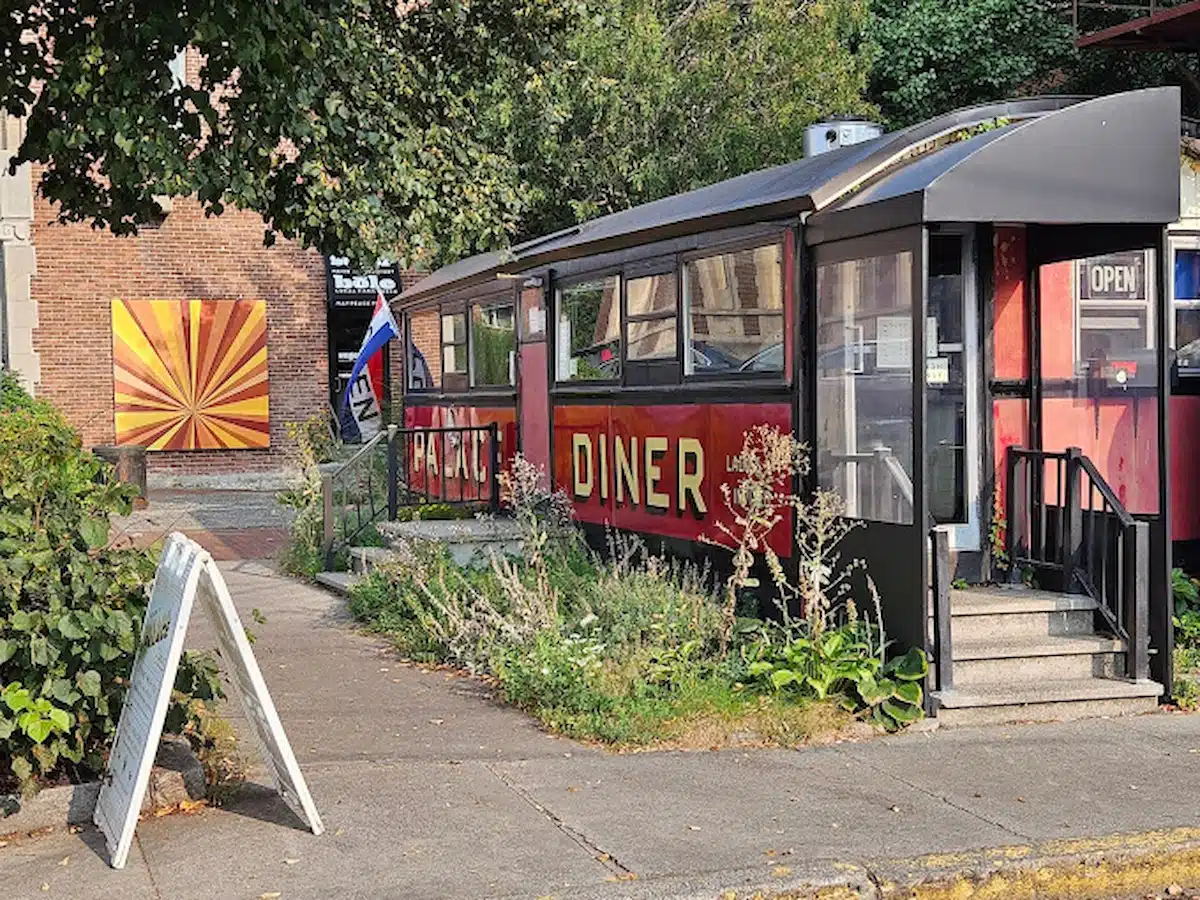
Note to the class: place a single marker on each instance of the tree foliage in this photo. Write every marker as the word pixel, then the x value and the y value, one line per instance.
pixel 938 55
pixel 649 98
pixel 347 124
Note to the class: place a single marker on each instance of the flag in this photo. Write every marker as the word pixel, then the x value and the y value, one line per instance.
pixel 362 404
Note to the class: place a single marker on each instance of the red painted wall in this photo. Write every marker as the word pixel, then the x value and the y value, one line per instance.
pixel 454 466
pixel 1185 479
pixel 681 459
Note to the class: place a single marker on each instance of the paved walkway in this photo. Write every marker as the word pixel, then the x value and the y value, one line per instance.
pixel 231 525
pixel 430 790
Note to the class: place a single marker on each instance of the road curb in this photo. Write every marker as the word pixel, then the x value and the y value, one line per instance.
pixel 176 776
pixel 1086 869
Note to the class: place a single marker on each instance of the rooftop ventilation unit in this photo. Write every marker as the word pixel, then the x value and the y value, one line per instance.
pixel 825 136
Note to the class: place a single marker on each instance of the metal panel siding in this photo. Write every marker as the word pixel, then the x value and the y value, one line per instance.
pixel 590 474
pixel 1011 344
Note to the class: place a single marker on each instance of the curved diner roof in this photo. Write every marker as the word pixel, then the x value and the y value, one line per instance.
pixel 1059 160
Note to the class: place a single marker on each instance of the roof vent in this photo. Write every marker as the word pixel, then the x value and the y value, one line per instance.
pixel 822 137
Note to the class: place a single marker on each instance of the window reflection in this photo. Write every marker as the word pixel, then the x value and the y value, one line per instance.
pixel 734 304
pixel 865 385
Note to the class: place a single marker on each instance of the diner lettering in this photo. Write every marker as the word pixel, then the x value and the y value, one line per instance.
pixel 590 473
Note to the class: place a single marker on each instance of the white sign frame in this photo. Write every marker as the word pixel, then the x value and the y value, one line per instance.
pixel 186 572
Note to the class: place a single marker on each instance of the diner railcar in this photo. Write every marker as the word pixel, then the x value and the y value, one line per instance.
pixel 930 310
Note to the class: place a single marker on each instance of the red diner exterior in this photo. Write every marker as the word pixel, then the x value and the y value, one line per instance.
pixel 969 322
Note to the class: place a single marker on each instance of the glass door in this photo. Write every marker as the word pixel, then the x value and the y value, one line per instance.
pixel 951 383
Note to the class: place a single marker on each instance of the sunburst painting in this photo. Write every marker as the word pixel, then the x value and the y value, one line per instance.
pixel 191 374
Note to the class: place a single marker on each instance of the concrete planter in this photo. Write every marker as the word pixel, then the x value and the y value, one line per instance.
pixel 177 776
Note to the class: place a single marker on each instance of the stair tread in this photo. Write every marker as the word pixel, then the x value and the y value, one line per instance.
pixel 338 582
pixel 996 600
pixel 1017 694
pixel 1036 646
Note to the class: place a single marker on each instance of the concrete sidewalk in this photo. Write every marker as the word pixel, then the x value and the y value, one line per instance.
pixel 431 790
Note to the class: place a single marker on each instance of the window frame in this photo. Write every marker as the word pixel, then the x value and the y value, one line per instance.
pixel 556 288
pixel 406 326
pixel 1189 378
pixel 459 382
pixel 644 372
pixel 491 301
pixel 725 248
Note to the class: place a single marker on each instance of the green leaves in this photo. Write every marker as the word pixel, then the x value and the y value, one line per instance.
pixel 69 608
pixel 933 56
pixel 353 129
pixel 843 659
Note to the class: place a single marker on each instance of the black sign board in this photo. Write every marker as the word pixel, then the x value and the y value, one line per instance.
pixel 1117 276
pixel 349 288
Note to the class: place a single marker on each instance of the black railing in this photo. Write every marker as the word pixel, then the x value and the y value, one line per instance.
pixel 1067 526
pixel 941 656
pixel 408 467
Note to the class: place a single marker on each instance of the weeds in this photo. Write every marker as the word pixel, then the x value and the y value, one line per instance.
pixel 637 648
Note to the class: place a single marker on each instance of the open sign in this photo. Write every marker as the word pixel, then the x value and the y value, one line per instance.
pixel 1117 276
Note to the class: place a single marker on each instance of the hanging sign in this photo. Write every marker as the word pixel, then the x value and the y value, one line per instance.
pixel 186 573
pixel 348 287
pixel 1116 276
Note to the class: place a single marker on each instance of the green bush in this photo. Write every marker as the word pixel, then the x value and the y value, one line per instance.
pixel 71 606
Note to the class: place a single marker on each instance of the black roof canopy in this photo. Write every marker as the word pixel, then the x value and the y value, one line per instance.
pixel 1109 161
pixel 1060 160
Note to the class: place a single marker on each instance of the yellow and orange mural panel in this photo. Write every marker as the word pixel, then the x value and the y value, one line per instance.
pixel 191 374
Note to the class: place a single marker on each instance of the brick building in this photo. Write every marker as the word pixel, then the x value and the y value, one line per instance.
pixel 59 290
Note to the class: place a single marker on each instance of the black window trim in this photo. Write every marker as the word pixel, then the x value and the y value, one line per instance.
pixel 723 248
pixel 558 285
pixel 488 301
pixel 488 294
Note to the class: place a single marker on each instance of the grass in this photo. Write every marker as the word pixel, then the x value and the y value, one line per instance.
pixel 626 653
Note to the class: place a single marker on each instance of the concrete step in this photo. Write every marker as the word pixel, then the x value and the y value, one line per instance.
pixel 983 615
pixel 1045 701
pixel 1042 659
pixel 364 559
pixel 338 582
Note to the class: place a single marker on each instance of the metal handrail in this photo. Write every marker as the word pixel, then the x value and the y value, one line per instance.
pixel 1096 548
pixel 355 496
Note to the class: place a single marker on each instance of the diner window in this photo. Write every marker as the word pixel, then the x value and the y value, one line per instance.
pixel 734 312
pixel 1187 309
pixel 865 385
pixel 493 345
pixel 650 318
pixel 589 330
pixel 1114 314
pixel 454 350
pixel 424 350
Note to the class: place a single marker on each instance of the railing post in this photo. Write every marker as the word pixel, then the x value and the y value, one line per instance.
pixel 1015 514
pixel 327 524
pixel 493 466
pixel 1136 588
pixel 1072 523
pixel 393 473
pixel 942 653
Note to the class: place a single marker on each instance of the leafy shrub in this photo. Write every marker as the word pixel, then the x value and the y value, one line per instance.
pixel 71 606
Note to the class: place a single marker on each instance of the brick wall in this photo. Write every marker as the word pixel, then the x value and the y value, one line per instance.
pixel 81 271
